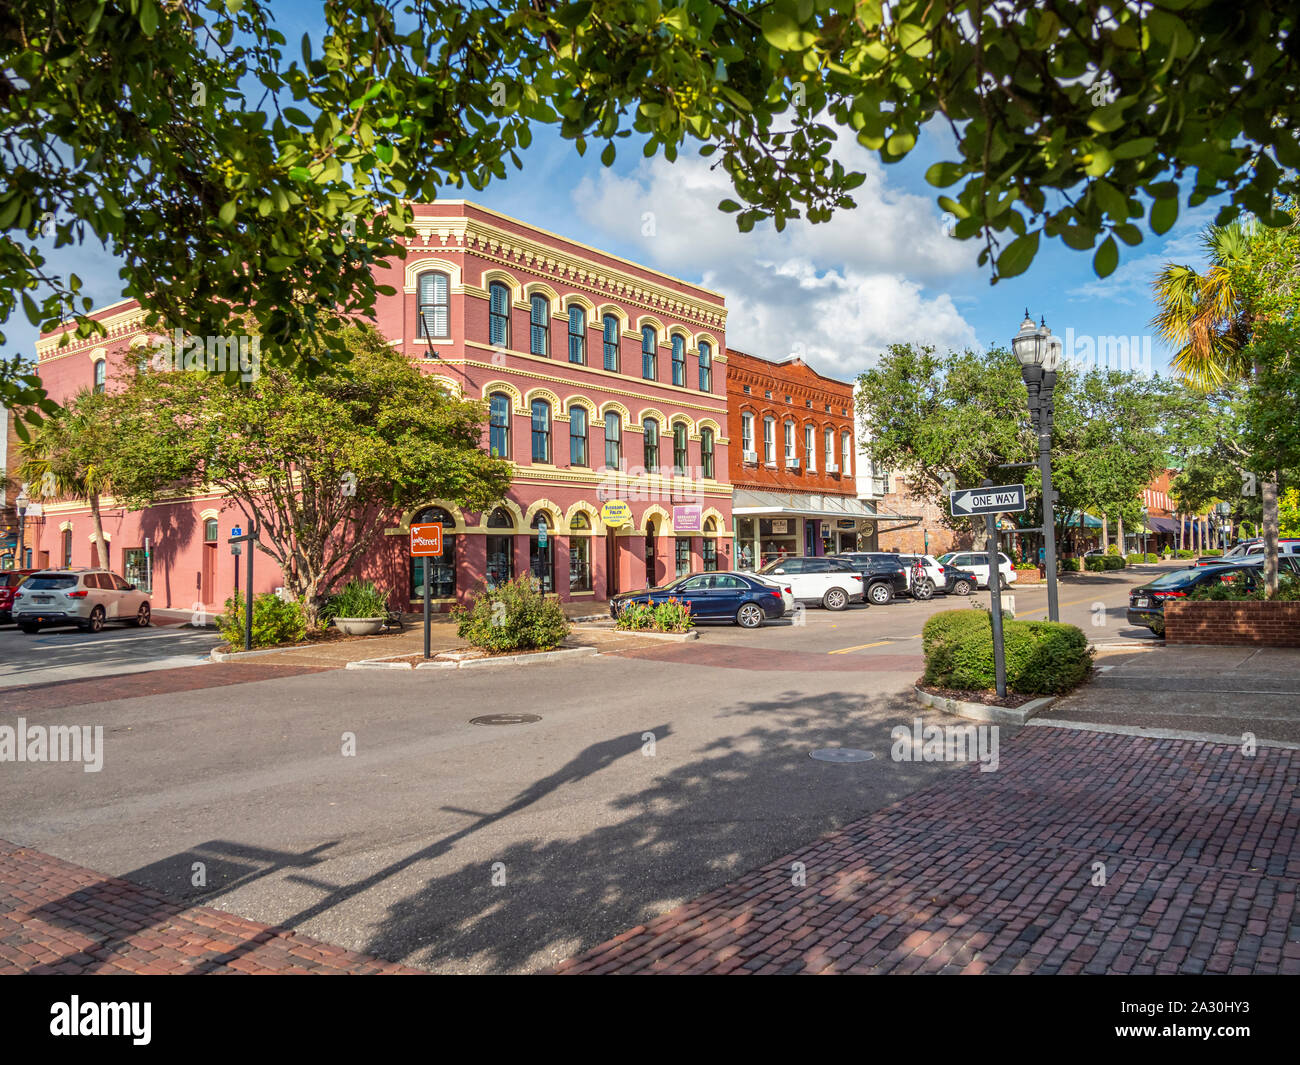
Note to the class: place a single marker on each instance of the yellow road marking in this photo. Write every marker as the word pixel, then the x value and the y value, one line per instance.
pixel 878 643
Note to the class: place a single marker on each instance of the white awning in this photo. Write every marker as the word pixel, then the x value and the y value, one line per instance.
pixel 750 503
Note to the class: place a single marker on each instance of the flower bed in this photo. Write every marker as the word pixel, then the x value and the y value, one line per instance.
pixel 672 616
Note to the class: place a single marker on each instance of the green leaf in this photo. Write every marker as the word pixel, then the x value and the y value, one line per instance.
pixel 148 17
pixel 941 175
pixel 227 212
pixel 1164 213
pixel 1107 258
pixel 782 31
pixel 1017 255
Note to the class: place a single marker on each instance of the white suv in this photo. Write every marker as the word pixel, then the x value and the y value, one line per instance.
pixel 832 582
pixel 83 597
pixel 977 562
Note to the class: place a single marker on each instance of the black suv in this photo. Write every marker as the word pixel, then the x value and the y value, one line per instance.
pixel 883 576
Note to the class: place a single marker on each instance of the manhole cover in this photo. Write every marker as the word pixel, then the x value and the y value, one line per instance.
pixel 504 719
pixel 841 754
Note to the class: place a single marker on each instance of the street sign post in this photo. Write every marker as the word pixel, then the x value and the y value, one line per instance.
pixel 995 499
pixel 426 543
pixel 237 538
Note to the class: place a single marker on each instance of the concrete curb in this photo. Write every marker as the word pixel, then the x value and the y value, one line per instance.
pixel 1160 733
pixel 997 715
pixel 537 658
pixel 234 656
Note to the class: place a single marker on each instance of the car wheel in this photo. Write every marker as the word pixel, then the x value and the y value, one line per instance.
pixel 923 589
pixel 95 622
pixel 31 630
pixel 142 616
pixel 749 616
pixel 835 599
pixel 961 588
pixel 880 593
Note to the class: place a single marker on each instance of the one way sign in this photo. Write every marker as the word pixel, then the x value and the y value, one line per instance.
pixel 1002 498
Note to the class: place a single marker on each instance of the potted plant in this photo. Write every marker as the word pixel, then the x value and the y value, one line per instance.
pixel 360 609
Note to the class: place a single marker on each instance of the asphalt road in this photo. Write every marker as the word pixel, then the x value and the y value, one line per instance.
pixel 652 776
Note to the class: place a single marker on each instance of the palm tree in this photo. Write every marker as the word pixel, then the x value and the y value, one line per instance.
pixel 1206 317
pixel 60 458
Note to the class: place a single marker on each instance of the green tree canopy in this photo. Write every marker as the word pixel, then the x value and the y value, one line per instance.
pixel 318 463
pixel 234 174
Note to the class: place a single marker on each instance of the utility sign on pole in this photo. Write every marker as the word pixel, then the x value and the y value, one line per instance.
pixel 426 545
pixel 999 499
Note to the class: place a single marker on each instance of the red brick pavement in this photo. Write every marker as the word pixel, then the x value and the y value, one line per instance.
pixel 769 659
pixel 993 873
pixel 56 917
pixel 52 696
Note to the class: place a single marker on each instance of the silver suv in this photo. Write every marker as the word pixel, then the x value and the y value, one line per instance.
pixel 84 597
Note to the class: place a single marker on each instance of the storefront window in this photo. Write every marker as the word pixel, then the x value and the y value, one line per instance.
pixel 778 537
pixel 135 567
pixel 745 543
pixel 67 548
pixel 683 555
pixel 580 553
pixel 442 569
pixel 710 546
pixel 541 559
pixel 500 548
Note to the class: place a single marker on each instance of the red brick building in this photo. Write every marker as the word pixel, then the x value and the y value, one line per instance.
pixel 792 460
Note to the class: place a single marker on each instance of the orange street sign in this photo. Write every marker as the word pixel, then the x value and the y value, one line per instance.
pixel 426 539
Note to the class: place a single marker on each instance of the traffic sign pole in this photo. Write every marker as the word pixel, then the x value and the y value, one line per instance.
pixel 995 605
pixel 428 609
pixel 426 545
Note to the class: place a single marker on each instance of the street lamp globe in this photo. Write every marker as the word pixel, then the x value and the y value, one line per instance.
pixel 1051 350
pixel 21 501
pixel 1028 343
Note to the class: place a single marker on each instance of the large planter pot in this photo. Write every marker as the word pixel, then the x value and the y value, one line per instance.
pixel 359 626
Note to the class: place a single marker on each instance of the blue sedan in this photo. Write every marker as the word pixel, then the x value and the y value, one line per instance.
pixel 734 597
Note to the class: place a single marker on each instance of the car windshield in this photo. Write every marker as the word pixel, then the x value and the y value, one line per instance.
pixel 944 558
pixel 47 582
pixel 663 587
pixel 773 566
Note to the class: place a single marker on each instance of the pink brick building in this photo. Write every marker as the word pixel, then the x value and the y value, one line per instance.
pixel 605 381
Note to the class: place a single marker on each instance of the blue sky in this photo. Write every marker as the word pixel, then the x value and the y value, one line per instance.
pixel 836 293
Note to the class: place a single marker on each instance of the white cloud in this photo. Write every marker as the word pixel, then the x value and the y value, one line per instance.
pixel 836 294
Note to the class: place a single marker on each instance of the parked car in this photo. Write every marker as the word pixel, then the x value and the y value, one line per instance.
pixel 1146 603
pixel 739 597
pixel 831 582
pixel 1248 549
pixel 883 576
pixel 977 563
pixel 85 597
pixel 10 579
pixel 943 576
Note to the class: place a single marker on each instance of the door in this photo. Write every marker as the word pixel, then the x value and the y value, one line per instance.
pixel 611 564
pixel 697 592
pixel 727 594
pixel 791 574
pixel 651 559
pixel 208 585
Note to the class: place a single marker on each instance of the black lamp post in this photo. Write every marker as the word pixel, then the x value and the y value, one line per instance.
pixel 1039 354
pixel 20 505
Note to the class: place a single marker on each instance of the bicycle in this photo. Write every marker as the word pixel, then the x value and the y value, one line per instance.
pixel 921 584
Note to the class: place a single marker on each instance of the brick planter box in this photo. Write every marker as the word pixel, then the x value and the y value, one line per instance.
pixel 1247 624
pixel 1027 576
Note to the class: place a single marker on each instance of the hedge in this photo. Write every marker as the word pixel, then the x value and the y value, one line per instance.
pixel 1069 565
pixel 1098 563
pixel 1042 657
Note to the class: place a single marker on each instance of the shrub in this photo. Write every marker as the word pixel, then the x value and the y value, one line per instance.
pixel 672 616
pixel 1213 552
pixel 1288 590
pixel 359 599
pixel 1099 563
pixel 1026 565
pixel 1069 565
pixel 275 621
pixel 1137 556
pixel 1113 549
pixel 1184 553
pixel 514 616
pixel 1042 657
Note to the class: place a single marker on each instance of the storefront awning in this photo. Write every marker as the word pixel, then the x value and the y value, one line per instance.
pixel 1162 525
pixel 748 503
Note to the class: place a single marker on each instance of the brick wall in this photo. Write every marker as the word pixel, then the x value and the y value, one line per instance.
pixel 1248 624
pixel 911 539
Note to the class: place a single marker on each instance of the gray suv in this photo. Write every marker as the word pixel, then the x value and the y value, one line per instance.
pixel 83 597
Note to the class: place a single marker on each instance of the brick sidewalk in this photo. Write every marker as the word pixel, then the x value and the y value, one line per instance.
pixel 56 917
pixel 993 873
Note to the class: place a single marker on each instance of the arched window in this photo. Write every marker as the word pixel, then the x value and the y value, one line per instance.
pixel 541 556
pixel 67 548
pixel 539 325
pixel 613 440
pixel 580 553
pixel 210 533
pixel 789 444
pixel 649 352
pixel 679 449
pixel 706 453
pixel 434 304
pixel 499 425
pixel 810 447
pixel 679 360
pixel 706 366
pixel 499 314
pixel 442 568
pixel 577 334
pixel 611 343
pixel 828 444
pixel 500 548
pixel 769 440
pixel 101 374
pixel 578 436
pixel 541 431
pixel 747 437
pixel 846 452
pixel 682 556
pixel 709 545
pixel 651 433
